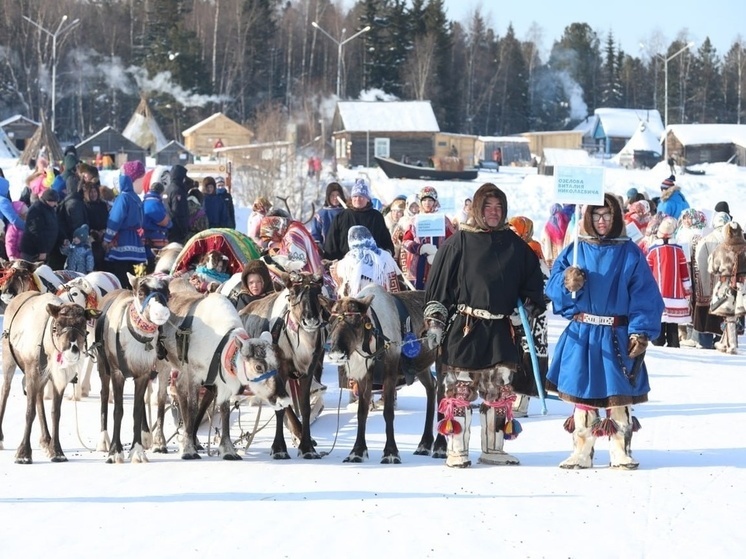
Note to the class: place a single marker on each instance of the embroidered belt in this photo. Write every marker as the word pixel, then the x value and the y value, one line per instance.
pixel 479 313
pixel 601 320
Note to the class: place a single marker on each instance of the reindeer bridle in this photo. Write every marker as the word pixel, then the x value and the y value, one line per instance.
pixel 370 331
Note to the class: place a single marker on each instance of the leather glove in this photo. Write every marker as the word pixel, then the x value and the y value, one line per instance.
pixel 574 279
pixel 638 343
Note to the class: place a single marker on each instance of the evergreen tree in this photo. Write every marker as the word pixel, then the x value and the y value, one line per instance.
pixel 707 102
pixel 512 87
pixel 577 53
pixel 734 84
pixel 611 90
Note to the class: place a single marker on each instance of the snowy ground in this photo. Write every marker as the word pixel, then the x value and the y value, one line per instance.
pixel 684 501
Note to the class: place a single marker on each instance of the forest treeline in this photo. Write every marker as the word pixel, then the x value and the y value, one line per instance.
pixel 192 58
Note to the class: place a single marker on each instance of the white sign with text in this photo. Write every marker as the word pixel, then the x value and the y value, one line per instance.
pixel 430 225
pixel 579 185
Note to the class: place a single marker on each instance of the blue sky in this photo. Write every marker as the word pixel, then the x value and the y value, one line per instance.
pixel 632 22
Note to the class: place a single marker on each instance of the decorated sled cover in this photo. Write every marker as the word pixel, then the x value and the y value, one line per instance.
pixel 239 249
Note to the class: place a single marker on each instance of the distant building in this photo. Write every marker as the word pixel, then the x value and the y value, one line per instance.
pixel 362 130
pixel 608 130
pixel 691 144
pixel 174 153
pixel 213 133
pixel 108 141
pixel 19 130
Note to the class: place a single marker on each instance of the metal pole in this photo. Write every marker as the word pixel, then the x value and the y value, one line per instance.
pixel 665 112
pixel 340 44
pixel 339 68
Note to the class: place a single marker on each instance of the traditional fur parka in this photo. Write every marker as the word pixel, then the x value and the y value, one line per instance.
pixel 728 262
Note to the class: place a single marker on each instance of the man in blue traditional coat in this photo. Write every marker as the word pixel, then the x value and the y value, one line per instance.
pixel 614 307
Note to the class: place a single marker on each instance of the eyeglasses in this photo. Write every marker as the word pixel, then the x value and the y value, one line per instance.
pixel 599 217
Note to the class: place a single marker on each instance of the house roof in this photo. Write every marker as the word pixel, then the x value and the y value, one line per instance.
pixel 173 144
pixel 570 157
pixel 387 116
pixel 208 120
pixel 7 147
pixel 16 118
pixel 700 134
pixel 620 123
pixel 113 137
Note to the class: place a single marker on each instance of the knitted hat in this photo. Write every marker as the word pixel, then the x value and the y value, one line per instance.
pixel 668 183
pixel 667 228
pixel 360 188
pixel 219 182
pixel 631 193
pixel 49 195
pixel 722 207
pixel 428 192
pixel 82 233
pixel 133 169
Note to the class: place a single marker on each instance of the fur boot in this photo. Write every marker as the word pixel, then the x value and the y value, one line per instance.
pixel 493 438
pixel 457 450
pixel 620 451
pixel 583 440
pixel 520 406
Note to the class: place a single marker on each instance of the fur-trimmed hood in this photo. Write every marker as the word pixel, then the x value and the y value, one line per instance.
pixel 616 230
pixel 667 193
pixel 733 235
pixel 475 223
pixel 257 267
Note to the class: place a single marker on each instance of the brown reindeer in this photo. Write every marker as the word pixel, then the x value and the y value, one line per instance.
pixel 46 339
pixel 365 335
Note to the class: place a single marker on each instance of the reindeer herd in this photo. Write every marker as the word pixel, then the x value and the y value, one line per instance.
pixel 57 328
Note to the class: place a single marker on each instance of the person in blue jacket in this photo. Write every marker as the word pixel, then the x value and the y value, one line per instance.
pixel 122 239
pixel 614 307
pixel 7 212
pixel 672 200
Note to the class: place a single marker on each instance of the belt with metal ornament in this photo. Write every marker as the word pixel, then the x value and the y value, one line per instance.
pixel 601 320
pixel 479 313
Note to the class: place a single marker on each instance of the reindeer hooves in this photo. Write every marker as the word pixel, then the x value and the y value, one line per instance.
pixel 230 456
pixel 59 458
pixel 191 456
pixel 115 458
pixel 391 459
pixel 161 449
pixel 309 455
pixel 280 455
pixel 422 451
pixel 23 460
pixel 439 453
pixel 353 458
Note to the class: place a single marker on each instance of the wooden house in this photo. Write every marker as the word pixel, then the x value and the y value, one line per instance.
pixel 216 131
pixel 109 142
pixel 503 150
pixel 401 130
pixel 447 144
pixel 174 153
pixel 608 130
pixel 560 139
pixel 19 130
pixel 690 144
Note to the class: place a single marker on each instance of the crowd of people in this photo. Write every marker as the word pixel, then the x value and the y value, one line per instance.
pixel 640 271
pixel 67 219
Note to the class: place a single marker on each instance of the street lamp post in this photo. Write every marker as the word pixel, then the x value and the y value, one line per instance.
pixel 61 28
pixel 340 43
pixel 666 60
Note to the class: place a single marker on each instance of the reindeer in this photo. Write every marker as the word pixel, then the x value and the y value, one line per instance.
pixel 206 342
pixel 88 291
pixel 128 343
pixel 46 339
pixel 20 276
pixel 365 334
pixel 301 340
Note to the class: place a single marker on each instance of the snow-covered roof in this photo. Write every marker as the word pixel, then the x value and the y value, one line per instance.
pixel 8 149
pixel 699 134
pixel 387 116
pixel 557 156
pixel 643 139
pixel 517 139
pixel 16 118
pixel 621 123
